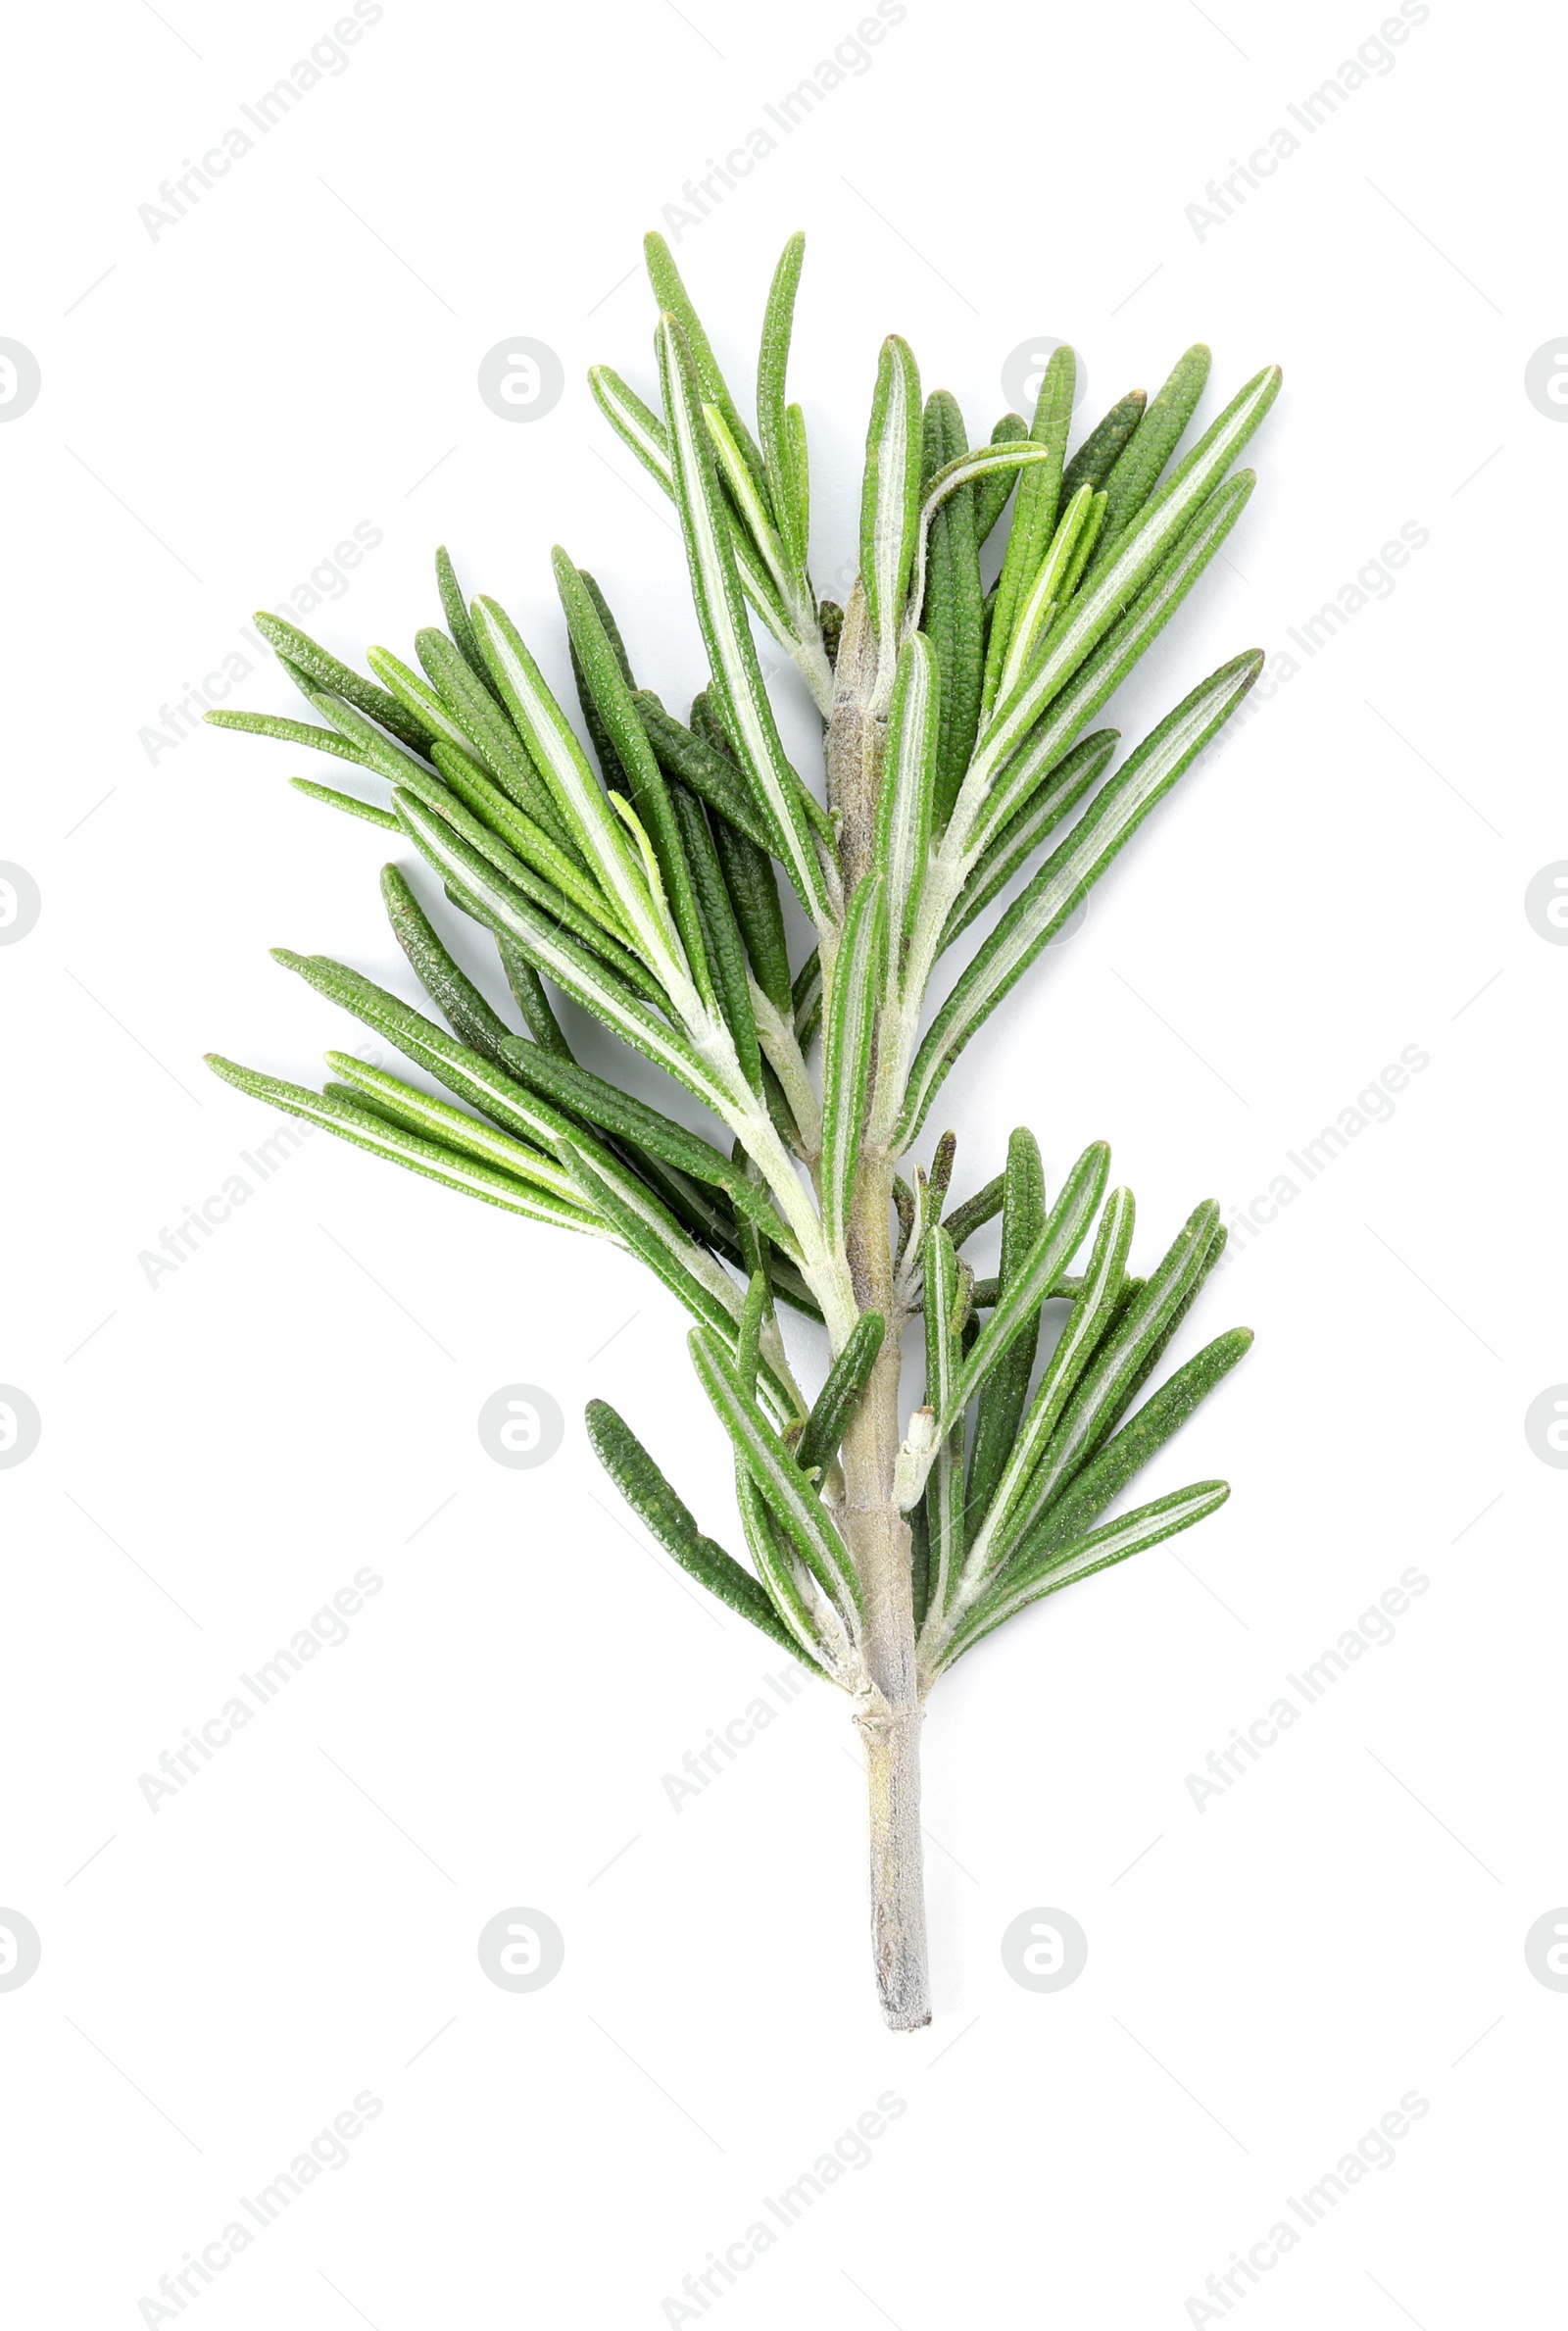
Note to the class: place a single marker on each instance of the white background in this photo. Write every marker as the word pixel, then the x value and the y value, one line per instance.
pixel 222 403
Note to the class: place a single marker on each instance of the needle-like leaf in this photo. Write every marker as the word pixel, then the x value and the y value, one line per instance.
pixel 737 679
pixel 1070 872
pixel 791 1497
pixel 658 1508
pixel 890 500
pixel 850 1014
pixel 840 1396
pixel 1114 1542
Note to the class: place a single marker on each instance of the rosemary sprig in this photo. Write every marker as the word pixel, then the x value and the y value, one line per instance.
pixel 642 872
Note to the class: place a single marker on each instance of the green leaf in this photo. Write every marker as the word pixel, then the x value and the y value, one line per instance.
pixel 953 613
pixel 1146 542
pixel 785 472
pixel 468 1073
pixel 1142 1437
pixel 665 1519
pixel 748 505
pixel 626 1120
pixel 1070 872
pixel 752 889
pixel 551 949
pixel 492 738
pixel 419 698
pixel 909 785
pixel 673 300
pixel 693 1277
pixel 324 669
pixel 990 493
pixel 635 423
pixel 1138 466
pixel 1076 773
pixel 719 779
pixel 1101 674
pixel 645 434
pixel 601 660
pixel 346 801
pixel 852 998
pixel 1051 588
pixel 1007 1388
pixel 973 1215
pixel 890 500
pixel 807 999
pixel 492 819
pixel 600 836
pixel 840 1396
pixel 945 1486
pixel 460 623
pixel 724 947
pixel 943 479
pixel 1008 1507
pixel 791 1498
pixel 473 1020
pixel 572 902
pixel 288 732
pixel 1035 518
pixel 782 1573
pixel 529 996
pixel 1104 444
pixel 1113 1542
pixel 1107 1383
pixel 748 1342
pixel 737 680
pixel 440 1122
pixel 1061 1236
pixel 367 1129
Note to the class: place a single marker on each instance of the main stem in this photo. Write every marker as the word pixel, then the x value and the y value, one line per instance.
pixel 888 1710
